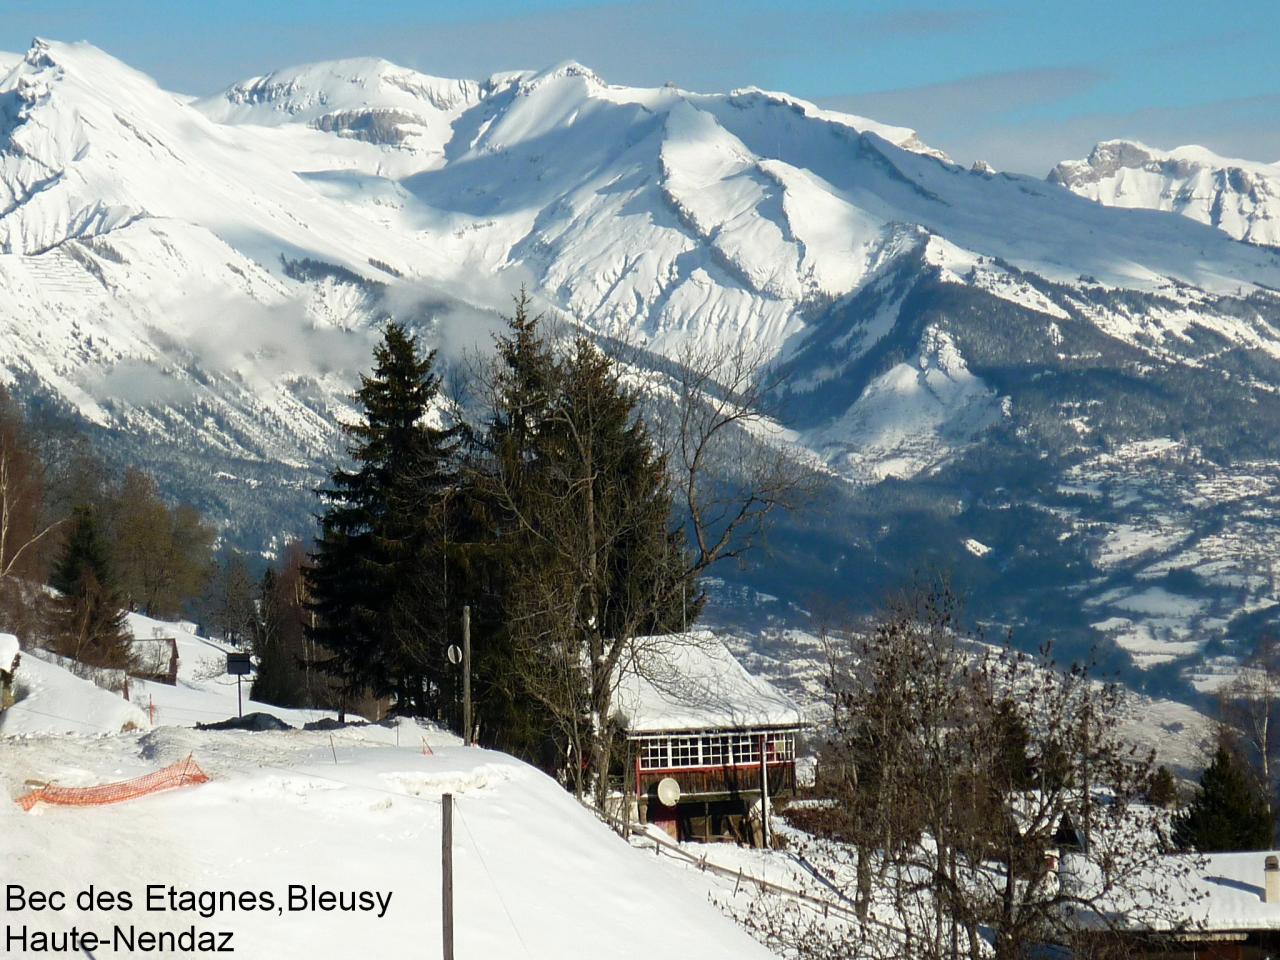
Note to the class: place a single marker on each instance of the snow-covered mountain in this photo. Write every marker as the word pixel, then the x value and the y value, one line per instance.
pixel 971 352
pixel 1239 197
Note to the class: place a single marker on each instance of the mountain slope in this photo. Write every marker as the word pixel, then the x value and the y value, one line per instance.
pixel 979 358
pixel 1239 197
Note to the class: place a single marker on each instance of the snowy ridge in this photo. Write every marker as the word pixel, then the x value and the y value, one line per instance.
pixel 1239 197
pixel 367 99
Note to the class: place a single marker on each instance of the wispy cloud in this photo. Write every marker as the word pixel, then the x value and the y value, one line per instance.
pixel 1243 127
pixel 925 21
pixel 993 117
pixel 957 102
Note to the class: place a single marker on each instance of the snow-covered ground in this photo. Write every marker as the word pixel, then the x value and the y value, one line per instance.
pixel 355 809
pixel 52 701
pixel 204 692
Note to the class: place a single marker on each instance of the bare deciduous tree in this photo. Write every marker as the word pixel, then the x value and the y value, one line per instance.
pixel 985 801
pixel 731 468
pixel 1249 706
pixel 23 526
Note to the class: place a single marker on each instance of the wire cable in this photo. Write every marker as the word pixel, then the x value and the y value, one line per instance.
pixel 493 883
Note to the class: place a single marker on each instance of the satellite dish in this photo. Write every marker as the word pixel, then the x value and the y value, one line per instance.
pixel 454 654
pixel 668 792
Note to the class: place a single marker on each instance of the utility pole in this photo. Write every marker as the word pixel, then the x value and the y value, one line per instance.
pixel 466 675
pixel 446 873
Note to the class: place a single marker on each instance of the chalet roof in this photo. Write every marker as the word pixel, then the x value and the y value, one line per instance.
pixel 1221 893
pixel 1232 885
pixel 692 682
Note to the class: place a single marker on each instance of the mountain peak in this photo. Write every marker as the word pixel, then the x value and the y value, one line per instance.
pixel 310 92
pixel 1240 197
pixel 567 68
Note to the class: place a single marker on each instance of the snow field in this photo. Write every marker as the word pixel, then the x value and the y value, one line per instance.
pixel 536 874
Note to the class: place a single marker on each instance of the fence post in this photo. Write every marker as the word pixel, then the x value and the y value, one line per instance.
pixel 446 873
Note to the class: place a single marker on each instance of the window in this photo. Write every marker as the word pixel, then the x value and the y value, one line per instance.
pixel 780 746
pixel 684 752
pixel 746 748
pixel 653 754
pixel 714 752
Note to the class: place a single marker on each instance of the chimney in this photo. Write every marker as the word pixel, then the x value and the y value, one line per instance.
pixel 1271 878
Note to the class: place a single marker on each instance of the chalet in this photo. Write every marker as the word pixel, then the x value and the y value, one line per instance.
pixel 8 669
pixel 709 746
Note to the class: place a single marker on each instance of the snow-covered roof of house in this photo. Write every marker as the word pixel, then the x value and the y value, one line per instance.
pixel 8 650
pixel 1231 885
pixel 692 682
pixel 1208 893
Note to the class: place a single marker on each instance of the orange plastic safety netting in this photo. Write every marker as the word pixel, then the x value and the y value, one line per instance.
pixel 181 774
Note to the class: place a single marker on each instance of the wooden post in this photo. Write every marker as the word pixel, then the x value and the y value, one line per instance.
pixel 764 795
pixel 466 675
pixel 239 702
pixel 446 873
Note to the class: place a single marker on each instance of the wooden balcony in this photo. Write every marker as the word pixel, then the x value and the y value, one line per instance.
pixel 721 782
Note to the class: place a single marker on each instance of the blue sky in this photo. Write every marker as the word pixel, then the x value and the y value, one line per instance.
pixel 1019 84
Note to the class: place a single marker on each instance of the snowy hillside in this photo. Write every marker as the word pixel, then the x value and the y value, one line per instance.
pixel 200 280
pixel 1239 197
pixel 536 874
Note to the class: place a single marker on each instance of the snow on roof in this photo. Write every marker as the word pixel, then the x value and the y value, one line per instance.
pixel 8 650
pixel 692 682
pixel 1231 885
pixel 1207 893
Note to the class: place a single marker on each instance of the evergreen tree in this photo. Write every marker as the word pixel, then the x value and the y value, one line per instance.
pixel 596 565
pixel 283 675
pixel 89 624
pixel 491 543
pixel 1162 791
pixel 377 578
pixel 1228 811
pixel 278 678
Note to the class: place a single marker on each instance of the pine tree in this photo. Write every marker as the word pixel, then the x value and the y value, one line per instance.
pixel 1162 791
pixel 492 545
pixel 88 622
pixel 278 678
pixel 283 675
pixel 590 500
pixel 1228 811
pixel 377 577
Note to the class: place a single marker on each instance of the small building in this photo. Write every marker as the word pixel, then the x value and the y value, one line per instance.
pixel 9 658
pixel 156 658
pixel 692 714
pixel 1220 906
